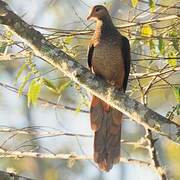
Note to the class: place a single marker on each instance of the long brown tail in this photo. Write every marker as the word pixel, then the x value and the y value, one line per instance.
pixel 106 122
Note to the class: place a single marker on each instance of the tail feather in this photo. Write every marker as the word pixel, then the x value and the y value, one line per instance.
pixel 106 122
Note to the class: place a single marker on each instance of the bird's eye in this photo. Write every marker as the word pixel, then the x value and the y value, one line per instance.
pixel 97 9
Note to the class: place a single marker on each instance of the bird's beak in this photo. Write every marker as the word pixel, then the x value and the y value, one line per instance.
pixel 89 17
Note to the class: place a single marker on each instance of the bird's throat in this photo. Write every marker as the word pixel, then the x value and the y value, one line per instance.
pixel 104 27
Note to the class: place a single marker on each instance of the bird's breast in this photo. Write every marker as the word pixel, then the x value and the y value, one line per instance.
pixel 107 61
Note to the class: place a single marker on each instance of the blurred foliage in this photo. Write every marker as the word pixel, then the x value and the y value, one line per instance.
pixel 6 39
pixel 173 152
pixel 146 30
pixel 134 3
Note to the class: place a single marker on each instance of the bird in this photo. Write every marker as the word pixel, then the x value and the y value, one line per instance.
pixel 109 58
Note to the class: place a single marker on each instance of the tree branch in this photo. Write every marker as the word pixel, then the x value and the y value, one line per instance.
pixel 127 25
pixel 70 156
pixel 44 102
pixel 154 155
pixel 10 57
pixel 23 154
pixel 84 78
pixel 161 5
pixel 44 133
pixel 141 143
pixel 7 175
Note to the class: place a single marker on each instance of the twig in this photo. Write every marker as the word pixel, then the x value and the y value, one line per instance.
pixel 44 102
pixel 10 57
pixel 146 75
pixel 153 155
pixel 161 5
pixel 149 138
pixel 141 143
pixel 127 25
pixel 73 156
pixel 29 131
pixel 152 80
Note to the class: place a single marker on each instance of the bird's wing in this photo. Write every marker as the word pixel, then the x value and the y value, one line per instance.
pixel 90 54
pixel 127 58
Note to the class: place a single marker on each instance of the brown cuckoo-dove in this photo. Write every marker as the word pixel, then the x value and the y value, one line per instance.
pixel 109 58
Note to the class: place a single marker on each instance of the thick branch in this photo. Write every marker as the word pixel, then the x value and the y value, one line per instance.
pixel 84 78
pixel 6 175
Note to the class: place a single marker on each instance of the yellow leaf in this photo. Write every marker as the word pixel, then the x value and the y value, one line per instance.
pixel 152 5
pixel 68 39
pixel 33 92
pixel 146 30
pixel 176 91
pixel 172 61
pixel 134 3
pixel 25 80
pixel 23 67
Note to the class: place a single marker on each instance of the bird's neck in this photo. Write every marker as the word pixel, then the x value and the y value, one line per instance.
pixel 104 27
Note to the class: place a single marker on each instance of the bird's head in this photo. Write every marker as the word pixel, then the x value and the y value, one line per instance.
pixel 98 12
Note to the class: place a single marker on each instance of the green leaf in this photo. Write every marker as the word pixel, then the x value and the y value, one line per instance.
pixel 176 91
pixel 174 33
pixel 134 3
pixel 152 5
pixel 173 60
pixel 8 34
pixel 176 44
pixel 151 44
pixel 78 109
pixel 161 45
pixel 33 92
pixel 50 85
pixel 135 42
pixel 175 40
pixel 146 30
pixel 2 47
pixel 20 71
pixel 25 80
pixel 178 109
pixel 63 86
pixel 9 37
